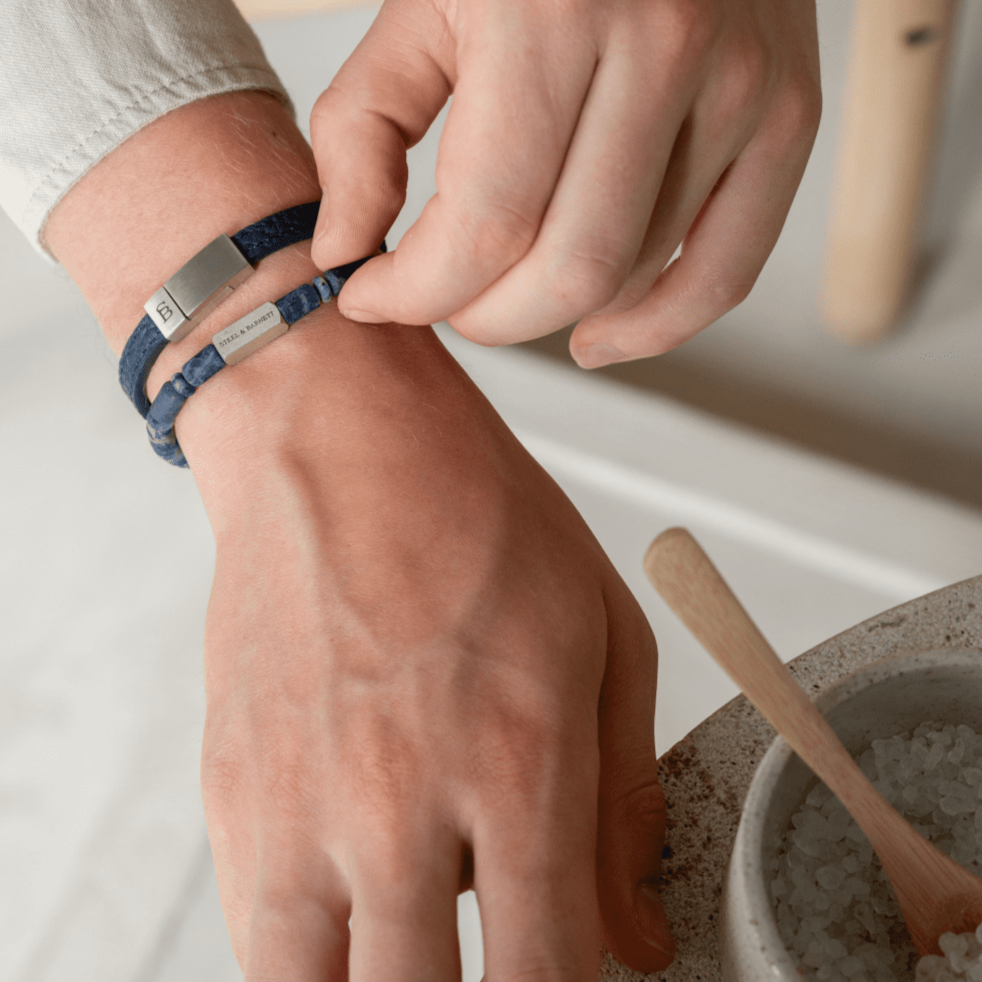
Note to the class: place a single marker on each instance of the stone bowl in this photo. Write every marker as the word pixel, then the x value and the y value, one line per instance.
pixel 885 697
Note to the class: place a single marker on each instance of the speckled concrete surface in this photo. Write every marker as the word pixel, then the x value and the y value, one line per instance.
pixel 707 774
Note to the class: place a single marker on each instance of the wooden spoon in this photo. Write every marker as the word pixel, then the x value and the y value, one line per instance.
pixel 934 892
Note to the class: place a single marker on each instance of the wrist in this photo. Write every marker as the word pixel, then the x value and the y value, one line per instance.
pixel 338 407
pixel 335 394
pixel 241 158
pixel 273 277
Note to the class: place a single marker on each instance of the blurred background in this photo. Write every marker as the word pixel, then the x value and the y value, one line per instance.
pixel 830 482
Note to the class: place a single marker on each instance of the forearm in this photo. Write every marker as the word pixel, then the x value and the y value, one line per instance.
pixel 216 166
pixel 212 166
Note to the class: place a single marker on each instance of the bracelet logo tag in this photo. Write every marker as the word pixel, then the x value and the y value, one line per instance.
pixel 250 333
pixel 166 314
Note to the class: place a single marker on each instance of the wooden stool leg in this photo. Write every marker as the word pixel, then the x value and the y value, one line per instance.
pixel 893 102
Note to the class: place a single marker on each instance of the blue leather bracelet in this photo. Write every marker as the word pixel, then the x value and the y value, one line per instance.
pixel 202 282
pixel 231 345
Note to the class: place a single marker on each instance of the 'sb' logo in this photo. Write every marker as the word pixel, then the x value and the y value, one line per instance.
pixel 164 311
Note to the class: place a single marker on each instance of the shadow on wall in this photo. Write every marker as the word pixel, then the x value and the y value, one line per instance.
pixel 887 451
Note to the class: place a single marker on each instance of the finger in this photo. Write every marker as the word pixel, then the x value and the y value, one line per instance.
pixel 507 132
pixel 299 927
pixel 233 852
pixel 723 252
pixel 599 215
pixel 631 805
pixel 404 907
pixel 535 867
pixel 225 795
pixel 381 102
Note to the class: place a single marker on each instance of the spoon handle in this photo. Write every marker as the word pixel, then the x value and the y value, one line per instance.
pixel 692 586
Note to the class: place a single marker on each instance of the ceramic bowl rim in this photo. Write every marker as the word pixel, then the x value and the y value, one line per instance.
pixel 743 872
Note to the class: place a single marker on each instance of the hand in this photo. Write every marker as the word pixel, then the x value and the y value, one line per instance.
pixel 421 669
pixel 422 674
pixel 586 141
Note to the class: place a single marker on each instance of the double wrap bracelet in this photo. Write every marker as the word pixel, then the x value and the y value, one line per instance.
pixel 230 345
pixel 202 283
pixel 194 291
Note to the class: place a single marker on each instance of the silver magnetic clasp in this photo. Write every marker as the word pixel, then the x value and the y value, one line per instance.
pixel 197 287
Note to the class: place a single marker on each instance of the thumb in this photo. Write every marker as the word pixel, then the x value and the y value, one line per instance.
pixel 631 806
pixel 380 103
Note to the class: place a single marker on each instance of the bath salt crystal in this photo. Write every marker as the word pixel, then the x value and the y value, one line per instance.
pixel 837 825
pixel 956 805
pixel 815 955
pixel 964 852
pixel 858 886
pixel 906 769
pixel 961 959
pixel 972 776
pixel 811 824
pixel 829 877
pixel 954 944
pixel 850 966
pixel 934 756
pixel 820 794
pixel 835 909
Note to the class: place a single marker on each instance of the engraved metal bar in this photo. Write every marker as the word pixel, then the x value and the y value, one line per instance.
pixel 194 290
pixel 165 313
pixel 250 333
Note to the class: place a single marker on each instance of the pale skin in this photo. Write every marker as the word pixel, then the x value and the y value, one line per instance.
pixel 587 140
pixel 422 672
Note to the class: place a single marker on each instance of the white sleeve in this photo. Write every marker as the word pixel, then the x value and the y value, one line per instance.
pixel 77 77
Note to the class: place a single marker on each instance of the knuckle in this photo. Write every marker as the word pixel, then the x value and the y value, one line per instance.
pixel 223 774
pixel 588 280
pixel 289 784
pixel 520 754
pixel 744 79
pixel 725 291
pixel 643 806
pixel 388 848
pixel 799 107
pixel 383 767
pixel 497 236
pixel 685 29
pixel 282 776
pixel 323 108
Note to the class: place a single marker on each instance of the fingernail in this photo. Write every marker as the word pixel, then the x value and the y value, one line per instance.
pixel 652 920
pixel 363 317
pixel 597 355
